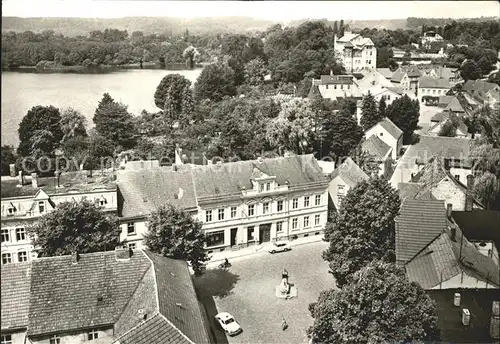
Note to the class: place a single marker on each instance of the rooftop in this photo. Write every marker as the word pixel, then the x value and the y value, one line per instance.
pixel 479 87
pixel 433 82
pixel 350 173
pixel 392 128
pixel 376 147
pixel 386 72
pixel 15 288
pixel 478 225
pixel 336 79
pixel 439 146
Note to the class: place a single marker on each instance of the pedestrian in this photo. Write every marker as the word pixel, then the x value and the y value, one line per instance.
pixel 284 325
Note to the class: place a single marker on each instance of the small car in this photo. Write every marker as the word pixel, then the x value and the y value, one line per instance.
pixel 280 246
pixel 228 324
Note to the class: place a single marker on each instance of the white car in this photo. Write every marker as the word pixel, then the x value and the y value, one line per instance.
pixel 279 246
pixel 228 324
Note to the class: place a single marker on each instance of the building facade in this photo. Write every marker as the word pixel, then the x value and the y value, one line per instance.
pixel 389 133
pixel 355 52
pixel 431 87
pixel 336 86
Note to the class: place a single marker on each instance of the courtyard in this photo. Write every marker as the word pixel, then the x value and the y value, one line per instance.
pixel 247 291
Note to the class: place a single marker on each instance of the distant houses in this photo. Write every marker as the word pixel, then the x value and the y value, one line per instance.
pixel 355 52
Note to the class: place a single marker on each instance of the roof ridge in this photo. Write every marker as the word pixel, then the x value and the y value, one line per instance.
pixel 117 340
pixel 430 243
pixel 155 279
pixel 175 327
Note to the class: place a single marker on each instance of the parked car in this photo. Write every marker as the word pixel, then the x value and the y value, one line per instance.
pixel 228 324
pixel 280 246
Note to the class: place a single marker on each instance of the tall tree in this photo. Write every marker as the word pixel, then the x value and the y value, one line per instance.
pixel 382 108
pixel 487 189
pixel 175 234
pixel 72 123
pixel 341 28
pixel 342 133
pixel 255 71
pixel 405 113
pixel 39 118
pixel 172 86
pixel 114 122
pixel 369 114
pixel 82 227
pixel 380 306
pixel 190 55
pixel 470 70
pixel 335 27
pixel 215 82
pixel 42 143
pixel 364 229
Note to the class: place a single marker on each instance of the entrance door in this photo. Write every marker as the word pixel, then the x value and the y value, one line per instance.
pixel 234 234
pixel 265 232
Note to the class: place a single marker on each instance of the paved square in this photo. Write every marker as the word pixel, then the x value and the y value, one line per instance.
pixel 247 291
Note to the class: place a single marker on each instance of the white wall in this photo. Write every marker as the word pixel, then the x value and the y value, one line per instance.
pixel 17 337
pixel 385 136
pixel 337 187
pixel 338 90
pixel 76 337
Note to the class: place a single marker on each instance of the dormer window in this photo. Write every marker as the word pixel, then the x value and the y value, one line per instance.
pixel 92 335
pixel 11 210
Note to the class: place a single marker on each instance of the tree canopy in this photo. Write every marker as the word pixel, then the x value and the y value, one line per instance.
pixel 369 112
pixel 379 306
pixel 82 227
pixel 470 70
pixel 73 124
pixel 342 133
pixel 405 113
pixel 175 234
pixel 215 82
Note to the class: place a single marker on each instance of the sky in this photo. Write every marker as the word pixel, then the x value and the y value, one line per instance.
pixel 271 10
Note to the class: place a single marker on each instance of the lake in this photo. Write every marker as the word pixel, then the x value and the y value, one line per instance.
pixel 21 91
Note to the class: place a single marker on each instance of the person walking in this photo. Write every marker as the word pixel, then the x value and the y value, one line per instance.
pixel 284 325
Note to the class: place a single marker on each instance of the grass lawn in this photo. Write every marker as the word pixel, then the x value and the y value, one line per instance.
pixel 247 291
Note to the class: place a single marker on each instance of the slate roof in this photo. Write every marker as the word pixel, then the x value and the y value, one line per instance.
pixel 141 192
pixel 64 296
pixel 336 79
pixel 231 178
pixel 350 173
pixel 410 190
pixel 432 82
pixel 418 223
pixel 376 147
pixel 392 128
pixel 15 288
pixel 439 146
pixel 445 258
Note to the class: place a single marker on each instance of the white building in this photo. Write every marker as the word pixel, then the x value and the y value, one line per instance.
pixel 346 176
pixel 336 86
pixel 429 37
pixel 355 52
pixel 388 132
pixel 432 87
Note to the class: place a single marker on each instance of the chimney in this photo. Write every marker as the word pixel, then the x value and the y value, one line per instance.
pixel 123 253
pixel 465 317
pixel 12 170
pixel 34 180
pixel 20 178
pixel 75 257
pixel 469 201
pixel 449 210
pixel 456 300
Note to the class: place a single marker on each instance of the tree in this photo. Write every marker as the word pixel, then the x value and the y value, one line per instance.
pixel 380 306
pixel 342 133
pixel 82 227
pixel 364 229
pixel 255 71
pixel 485 65
pixel 175 234
pixel 42 143
pixel 487 189
pixel 173 87
pixel 405 113
pixel 215 82
pixel 190 55
pixel 382 108
pixel 100 151
pixel 8 157
pixel 369 113
pixel 73 124
pixel 366 162
pixel 39 118
pixel 114 122
pixel 449 129
pixel 470 70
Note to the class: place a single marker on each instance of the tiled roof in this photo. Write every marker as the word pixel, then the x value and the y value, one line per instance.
pixel 418 223
pixel 233 177
pixel 348 36
pixel 392 128
pixel 385 72
pixel 445 258
pixel 454 105
pixel 409 190
pixel 155 330
pixel 175 287
pixel 376 147
pixel 350 173
pixel 432 82
pixel 15 295
pixel 445 100
pixel 64 296
pixel 478 86
pixel 439 146
pixel 440 116
pixel 141 192
pixel 397 90
pixel 336 79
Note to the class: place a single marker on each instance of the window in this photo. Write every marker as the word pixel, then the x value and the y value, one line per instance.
pixel 41 207
pixel 6 339
pixel 381 134
pixel 341 198
pixel 251 210
pixel 102 202
pixel 92 335
pixel 265 208
pixel 317 219
pixel 130 228
pixel 295 221
pixel 11 210
pixel 306 221
pixel 341 87
pixel 348 86
pixel 221 214
pixel 317 200
pixel 334 87
pixel 280 205
pixel 208 216
pixel 457 177
pixel 326 86
pixel 261 187
pixel 6 258
pixel 132 246
pixel 22 256
pixel 215 238
pixel 268 187
pixel 250 234
pixel 5 235
pixel 341 189
pixel 233 212
pixel 295 203
pixel 306 201
pixel 279 226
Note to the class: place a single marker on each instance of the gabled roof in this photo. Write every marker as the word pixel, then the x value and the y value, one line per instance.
pixel 479 87
pixel 445 100
pixel 445 116
pixel 440 116
pixel 386 72
pixel 15 295
pixel 391 128
pixel 439 146
pixel 454 106
pixel 418 223
pixel 411 71
pixel 446 257
pixel 376 147
pixel 336 79
pixel 432 82
pixel 410 190
pixel 348 36
pixel 231 178
pixel 397 90
pixel 141 192
pixel 350 173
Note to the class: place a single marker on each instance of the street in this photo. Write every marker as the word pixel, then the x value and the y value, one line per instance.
pixel 247 291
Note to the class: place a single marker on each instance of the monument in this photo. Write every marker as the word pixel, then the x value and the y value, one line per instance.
pixel 285 290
